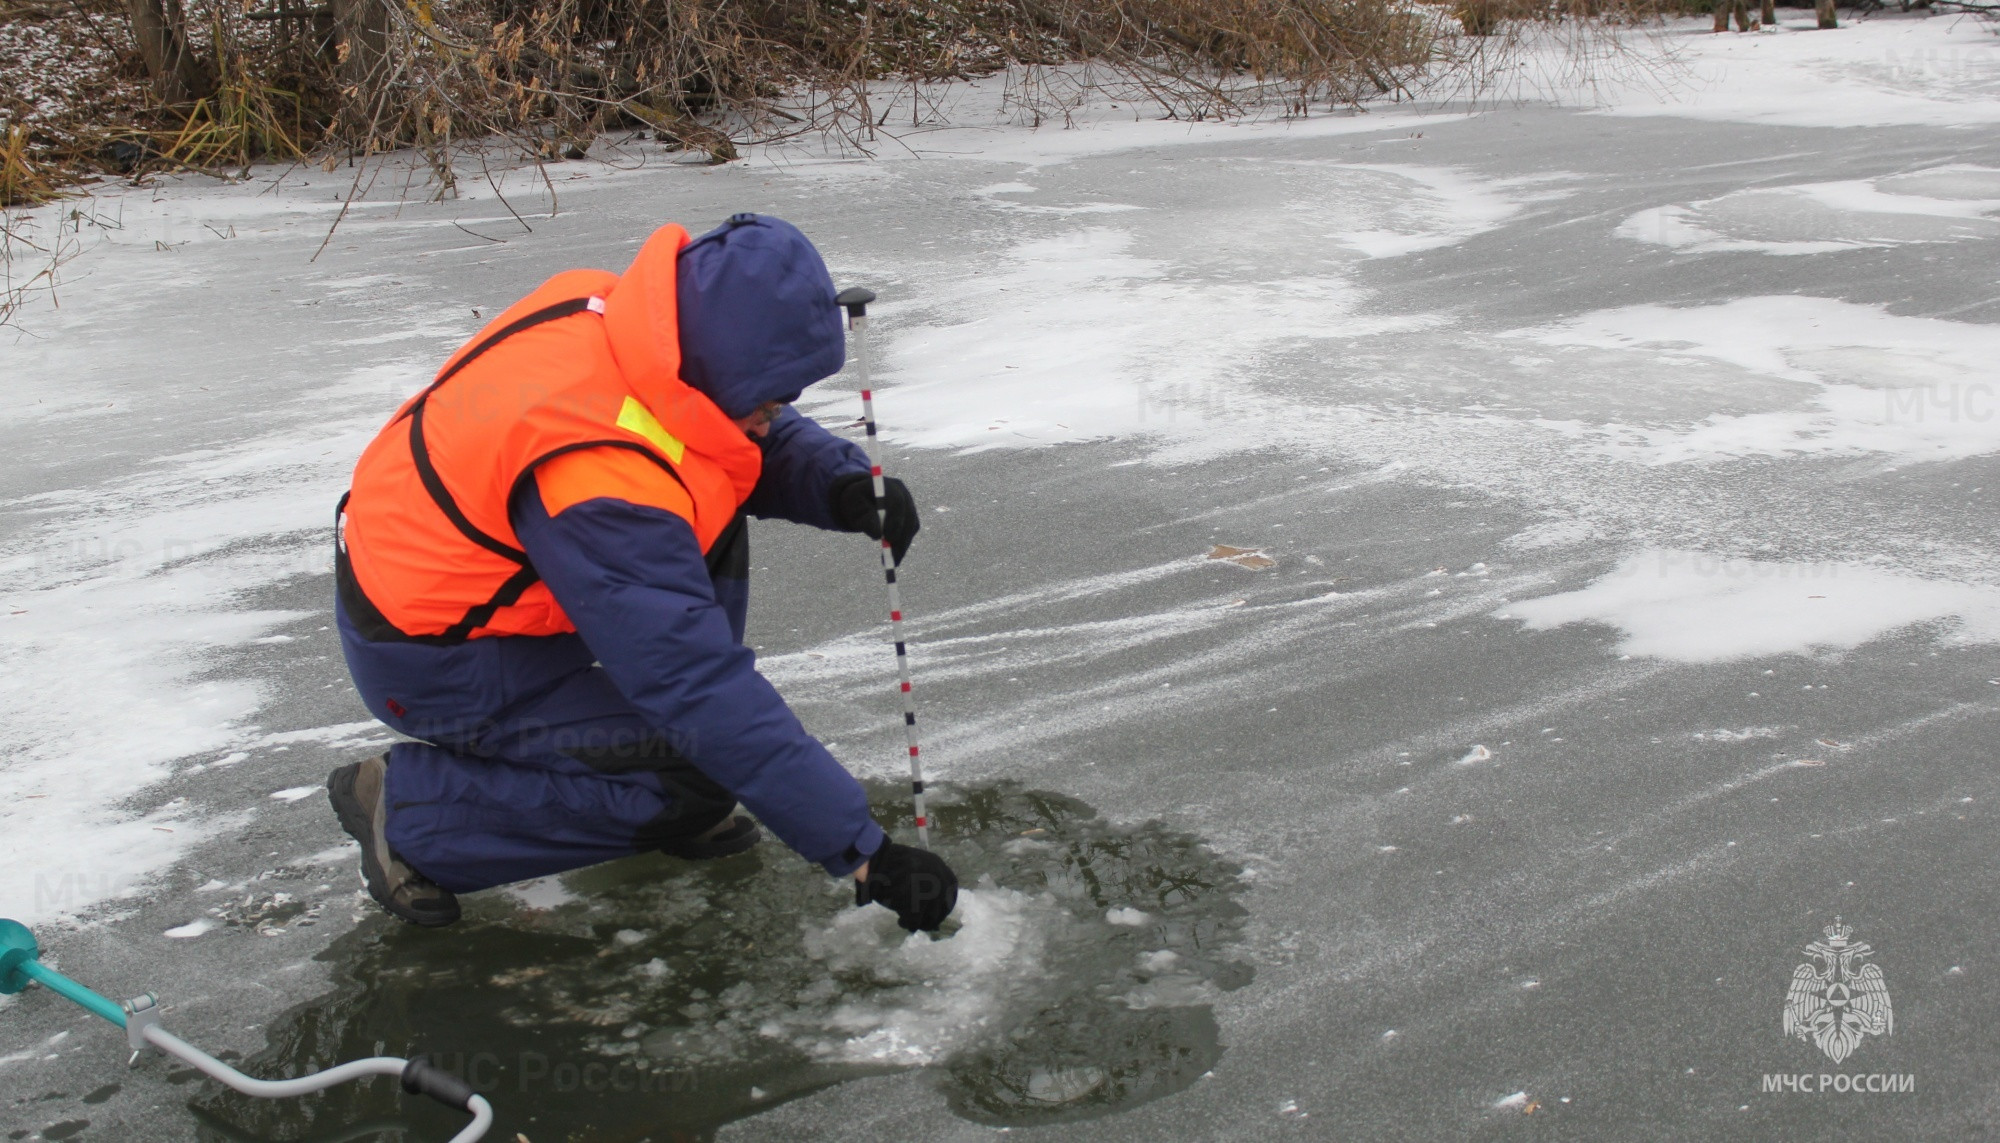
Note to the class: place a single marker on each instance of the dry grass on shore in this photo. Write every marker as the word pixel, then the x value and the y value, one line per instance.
pixel 246 80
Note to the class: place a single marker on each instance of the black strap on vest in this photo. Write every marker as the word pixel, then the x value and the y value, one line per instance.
pixel 526 322
pixel 361 610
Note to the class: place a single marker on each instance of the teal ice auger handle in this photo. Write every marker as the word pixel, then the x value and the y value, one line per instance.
pixel 20 966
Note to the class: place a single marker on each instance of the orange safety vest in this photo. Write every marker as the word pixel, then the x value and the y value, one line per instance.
pixel 589 360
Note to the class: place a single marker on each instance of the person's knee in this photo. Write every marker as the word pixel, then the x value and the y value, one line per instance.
pixel 622 750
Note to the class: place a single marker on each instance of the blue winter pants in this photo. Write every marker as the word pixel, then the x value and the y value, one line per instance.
pixel 529 761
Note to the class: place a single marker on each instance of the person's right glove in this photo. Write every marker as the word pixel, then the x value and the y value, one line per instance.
pixel 915 884
pixel 854 508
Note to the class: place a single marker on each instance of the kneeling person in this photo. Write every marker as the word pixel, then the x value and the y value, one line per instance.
pixel 543 577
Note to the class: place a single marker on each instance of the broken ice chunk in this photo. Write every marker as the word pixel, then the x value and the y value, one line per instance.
pixel 1064 1085
pixel 1127 916
pixel 1174 990
pixel 540 894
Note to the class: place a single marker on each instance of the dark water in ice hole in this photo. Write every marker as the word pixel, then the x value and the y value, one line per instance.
pixel 670 997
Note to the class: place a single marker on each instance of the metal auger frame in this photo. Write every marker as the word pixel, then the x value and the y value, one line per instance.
pixel 21 966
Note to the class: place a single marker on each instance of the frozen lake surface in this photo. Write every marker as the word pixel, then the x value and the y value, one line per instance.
pixel 1421 617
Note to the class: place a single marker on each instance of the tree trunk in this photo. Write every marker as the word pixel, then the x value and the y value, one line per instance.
pixel 1477 17
pixel 363 27
pixel 1721 15
pixel 177 76
pixel 1827 17
pixel 1770 13
pixel 361 47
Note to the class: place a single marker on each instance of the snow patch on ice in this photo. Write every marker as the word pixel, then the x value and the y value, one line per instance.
pixel 1076 337
pixel 1943 204
pixel 1563 532
pixel 104 689
pixel 1915 388
pixel 338 734
pixel 1692 607
pixel 981 113
pixel 992 197
pixel 540 894
pixel 334 854
pixel 1866 73
pixel 128 590
pixel 1438 207
pixel 1073 333
pixel 193 928
pixel 295 793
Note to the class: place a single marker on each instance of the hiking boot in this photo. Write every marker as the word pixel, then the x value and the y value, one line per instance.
pixel 357 794
pixel 732 834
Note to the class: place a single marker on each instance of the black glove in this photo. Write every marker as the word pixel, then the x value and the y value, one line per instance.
pixel 915 884
pixel 854 509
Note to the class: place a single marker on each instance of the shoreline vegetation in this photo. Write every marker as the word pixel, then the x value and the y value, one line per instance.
pixel 131 87
pixel 95 89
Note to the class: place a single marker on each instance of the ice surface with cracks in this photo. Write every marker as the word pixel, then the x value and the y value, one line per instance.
pixel 1341 292
pixel 1077 336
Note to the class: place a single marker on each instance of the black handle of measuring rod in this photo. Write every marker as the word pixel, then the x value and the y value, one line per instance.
pixel 855 300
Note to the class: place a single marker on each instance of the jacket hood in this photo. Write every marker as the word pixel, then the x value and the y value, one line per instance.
pixel 757 319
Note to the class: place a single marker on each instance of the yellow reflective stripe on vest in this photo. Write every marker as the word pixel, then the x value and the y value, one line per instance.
pixel 637 418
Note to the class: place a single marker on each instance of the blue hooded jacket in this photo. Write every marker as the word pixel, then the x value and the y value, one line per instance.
pixel 757 323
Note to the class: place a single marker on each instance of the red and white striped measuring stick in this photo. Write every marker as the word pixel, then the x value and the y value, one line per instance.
pixel 855 300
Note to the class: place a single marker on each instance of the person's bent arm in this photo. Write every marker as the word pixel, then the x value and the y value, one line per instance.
pixel 801 463
pixel 813 477
pixel 632 579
